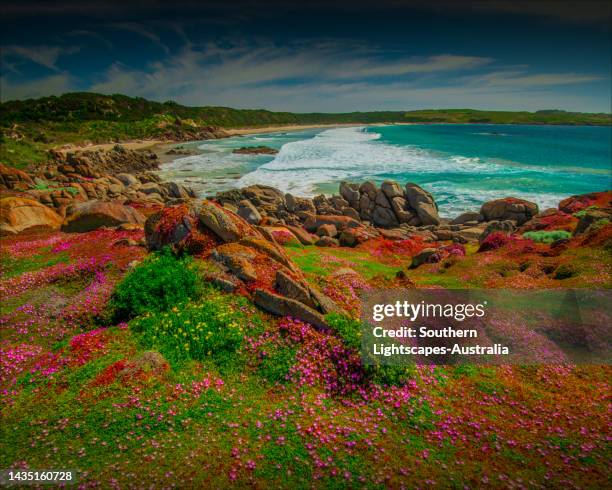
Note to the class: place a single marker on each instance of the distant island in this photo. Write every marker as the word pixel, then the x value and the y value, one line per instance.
pixel 29 128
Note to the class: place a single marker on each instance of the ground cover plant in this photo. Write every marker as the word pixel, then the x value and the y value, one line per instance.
pixel 200 387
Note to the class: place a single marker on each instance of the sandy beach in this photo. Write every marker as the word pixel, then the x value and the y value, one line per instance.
pixel 160 147
pixel 156 144
pixel 293 127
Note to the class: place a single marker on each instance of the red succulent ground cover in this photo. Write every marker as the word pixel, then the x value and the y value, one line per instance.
pixel 79 393
pixel 381 246
pixel 578 203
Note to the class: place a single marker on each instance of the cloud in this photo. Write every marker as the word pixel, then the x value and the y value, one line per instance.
pixel 522 79
pixel 50 85
pixel 141 30
pixel 327 76
pixel 46 56
pixel 92 35
pixel 213 68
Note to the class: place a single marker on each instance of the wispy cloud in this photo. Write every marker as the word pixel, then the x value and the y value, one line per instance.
pixel 213 67
pixel 143 31
pixel 46 56
pixel 328 76
pixel 50 85
pixel 92 35
pixel 523 79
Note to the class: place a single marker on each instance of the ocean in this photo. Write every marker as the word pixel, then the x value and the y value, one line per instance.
pixel 462 165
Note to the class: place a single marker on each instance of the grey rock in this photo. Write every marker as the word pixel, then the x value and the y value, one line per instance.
pixel 127 179
pixel 248 212
pixel 327 241
pixel 470 234
pixel 150 188
pixel 351 213
pixel 424 204
pixel 384 217
pixel 369 188
pixel 391 189
pixel 422 257
pixel 350 192
pixel 282 306
pixel 469 216
pixel 289 287
pixel 381 200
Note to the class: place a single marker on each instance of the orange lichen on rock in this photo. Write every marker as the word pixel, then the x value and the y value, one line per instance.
pixel 574 204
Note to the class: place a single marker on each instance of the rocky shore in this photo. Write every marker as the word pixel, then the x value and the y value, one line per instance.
pixel 96 182
pixel 106 187
pixel 363 211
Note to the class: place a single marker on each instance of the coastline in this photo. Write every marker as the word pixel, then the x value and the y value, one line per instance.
pixel 161 146
pixel 291 127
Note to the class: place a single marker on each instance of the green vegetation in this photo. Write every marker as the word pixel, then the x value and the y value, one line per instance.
pixel 11 266
pixel 277 362
pixel 156 285
pixel 506 117
pixel 30 127
pixel 21 153
pixel 547 236
pixel 212 328
pixel 349 330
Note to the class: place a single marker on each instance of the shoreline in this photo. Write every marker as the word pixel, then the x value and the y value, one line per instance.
pixel 161 146
pixel 290 127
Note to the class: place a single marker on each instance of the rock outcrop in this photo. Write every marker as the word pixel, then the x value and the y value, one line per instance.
pixel 509 208
pixel 255 150
pixel 18 215
pixel 247 257
pixel 91 215
pixel 12 178
pixel 363 211
pixel 386 207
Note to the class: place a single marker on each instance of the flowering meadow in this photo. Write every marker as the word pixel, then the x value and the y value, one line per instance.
pixel 197 388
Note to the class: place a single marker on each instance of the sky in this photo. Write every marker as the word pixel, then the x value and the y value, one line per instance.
pixel 305 56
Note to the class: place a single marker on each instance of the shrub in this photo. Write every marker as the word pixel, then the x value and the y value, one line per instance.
pixel 160 282
pixel 350 330
pixel 213 327
pixel 547 236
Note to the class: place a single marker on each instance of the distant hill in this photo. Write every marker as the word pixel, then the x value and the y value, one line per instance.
pixel 28 128
pixel 85 106
pixel 89 107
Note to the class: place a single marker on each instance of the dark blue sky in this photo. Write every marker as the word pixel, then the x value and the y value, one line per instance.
pixel 315 56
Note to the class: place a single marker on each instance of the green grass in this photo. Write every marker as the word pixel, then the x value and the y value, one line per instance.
pixel 11 266
pixel 310 260
pixel 20 154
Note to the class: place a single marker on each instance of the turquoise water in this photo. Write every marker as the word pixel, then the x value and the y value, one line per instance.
pixel 462 165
